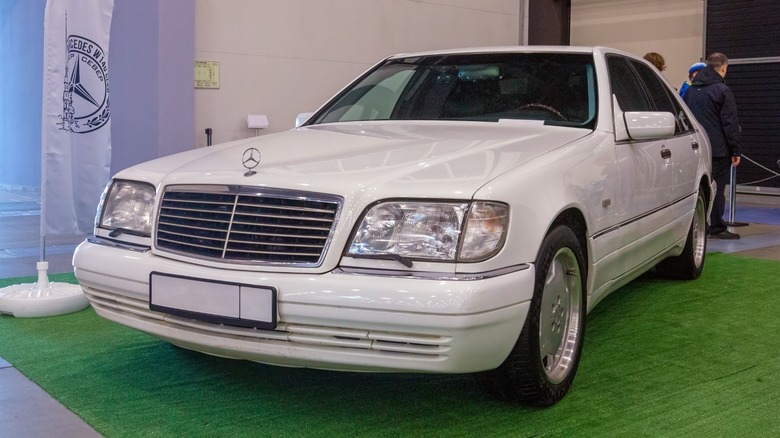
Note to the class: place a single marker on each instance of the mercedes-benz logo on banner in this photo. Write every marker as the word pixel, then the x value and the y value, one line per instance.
pixel 251 159
pixel 85 103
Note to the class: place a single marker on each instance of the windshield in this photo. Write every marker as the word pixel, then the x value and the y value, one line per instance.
pixel 555 88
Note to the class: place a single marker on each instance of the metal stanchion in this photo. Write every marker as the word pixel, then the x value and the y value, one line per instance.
pixel 733 199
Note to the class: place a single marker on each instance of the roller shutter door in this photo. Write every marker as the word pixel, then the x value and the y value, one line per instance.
pixel 747 32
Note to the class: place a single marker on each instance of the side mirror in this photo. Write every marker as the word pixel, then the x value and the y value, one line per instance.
pixel 301 118
pixel 645 125
pixel 641 125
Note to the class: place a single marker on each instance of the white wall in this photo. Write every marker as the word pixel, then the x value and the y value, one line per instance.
pixel 151 72
pixel 281 58
pixel 673 28
pixel 21 49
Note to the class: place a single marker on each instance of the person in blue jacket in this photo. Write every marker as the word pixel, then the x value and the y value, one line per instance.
pixel 713 105
pixel 691 74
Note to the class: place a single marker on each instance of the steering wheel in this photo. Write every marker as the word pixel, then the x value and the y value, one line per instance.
pixel 544 107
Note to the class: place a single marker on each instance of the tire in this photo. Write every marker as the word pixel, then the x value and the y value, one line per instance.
pixel 540 368
pixel 690 264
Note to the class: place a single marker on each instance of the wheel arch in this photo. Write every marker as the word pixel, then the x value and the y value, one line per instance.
pixel 575 220
pixel 705 187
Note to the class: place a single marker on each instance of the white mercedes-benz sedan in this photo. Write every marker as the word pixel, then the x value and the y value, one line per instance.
pixel 452 212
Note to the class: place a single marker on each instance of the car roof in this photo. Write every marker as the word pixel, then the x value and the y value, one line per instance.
pixel 500 49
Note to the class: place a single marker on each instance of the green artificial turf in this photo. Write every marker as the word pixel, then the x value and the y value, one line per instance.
pixel 661 358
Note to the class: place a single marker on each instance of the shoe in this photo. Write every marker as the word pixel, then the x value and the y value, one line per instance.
pixel 725 235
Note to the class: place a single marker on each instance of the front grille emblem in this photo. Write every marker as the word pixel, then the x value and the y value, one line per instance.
pixel 250 160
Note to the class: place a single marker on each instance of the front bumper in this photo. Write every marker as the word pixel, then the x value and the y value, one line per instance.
pixel 335 320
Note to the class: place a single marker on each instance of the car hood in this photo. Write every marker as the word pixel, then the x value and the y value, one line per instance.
pixel 378 159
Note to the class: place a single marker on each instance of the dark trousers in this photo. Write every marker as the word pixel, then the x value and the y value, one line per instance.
pixel 721 172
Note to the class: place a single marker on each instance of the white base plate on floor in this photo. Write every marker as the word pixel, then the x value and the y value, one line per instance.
pixel 30 300
pixel 42 298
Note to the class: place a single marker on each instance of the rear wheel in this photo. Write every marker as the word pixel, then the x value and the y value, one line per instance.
pixel 689 264
pixel 540 368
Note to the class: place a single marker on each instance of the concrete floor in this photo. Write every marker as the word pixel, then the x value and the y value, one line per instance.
pixel 28 411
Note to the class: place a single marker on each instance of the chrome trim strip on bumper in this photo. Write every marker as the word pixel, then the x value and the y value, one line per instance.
pixel 120 245
pixel 422 275
pixel 438 276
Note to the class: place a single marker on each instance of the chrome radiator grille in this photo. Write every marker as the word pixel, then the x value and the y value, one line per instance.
pixel 247 225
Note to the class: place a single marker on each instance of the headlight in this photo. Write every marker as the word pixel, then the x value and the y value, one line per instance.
pixel 431 231
pixel 127 206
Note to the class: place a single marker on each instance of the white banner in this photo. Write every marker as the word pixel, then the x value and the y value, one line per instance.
pixel 76 129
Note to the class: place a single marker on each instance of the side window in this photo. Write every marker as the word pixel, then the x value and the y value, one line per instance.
pixel 626 86
pixel 661 96
pixel 655 87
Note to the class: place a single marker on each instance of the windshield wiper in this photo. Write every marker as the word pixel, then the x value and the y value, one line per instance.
pixel 117 231
pixel 406 261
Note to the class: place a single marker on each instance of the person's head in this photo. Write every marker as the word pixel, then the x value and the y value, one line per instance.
pixel 695 69
pixel 718 62
pixel 656 59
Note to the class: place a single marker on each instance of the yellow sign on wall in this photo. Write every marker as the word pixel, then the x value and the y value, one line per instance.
pixel 206 74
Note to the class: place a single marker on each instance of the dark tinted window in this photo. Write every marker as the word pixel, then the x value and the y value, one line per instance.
pixel 626 86
pixel 655 87
pixel 661 96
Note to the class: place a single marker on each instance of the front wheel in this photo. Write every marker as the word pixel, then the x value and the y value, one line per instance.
pixel 540 368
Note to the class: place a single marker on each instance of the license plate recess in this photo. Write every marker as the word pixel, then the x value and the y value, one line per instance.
pixel 235 304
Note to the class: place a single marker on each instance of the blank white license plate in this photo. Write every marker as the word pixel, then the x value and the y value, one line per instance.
pixel 236 304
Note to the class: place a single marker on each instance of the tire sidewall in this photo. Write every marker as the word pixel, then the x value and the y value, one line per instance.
pixel 560 237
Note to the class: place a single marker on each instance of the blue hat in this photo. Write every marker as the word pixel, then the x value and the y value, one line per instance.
pixel 696 67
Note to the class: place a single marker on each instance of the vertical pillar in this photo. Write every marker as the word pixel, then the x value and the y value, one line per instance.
pixel 549 22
